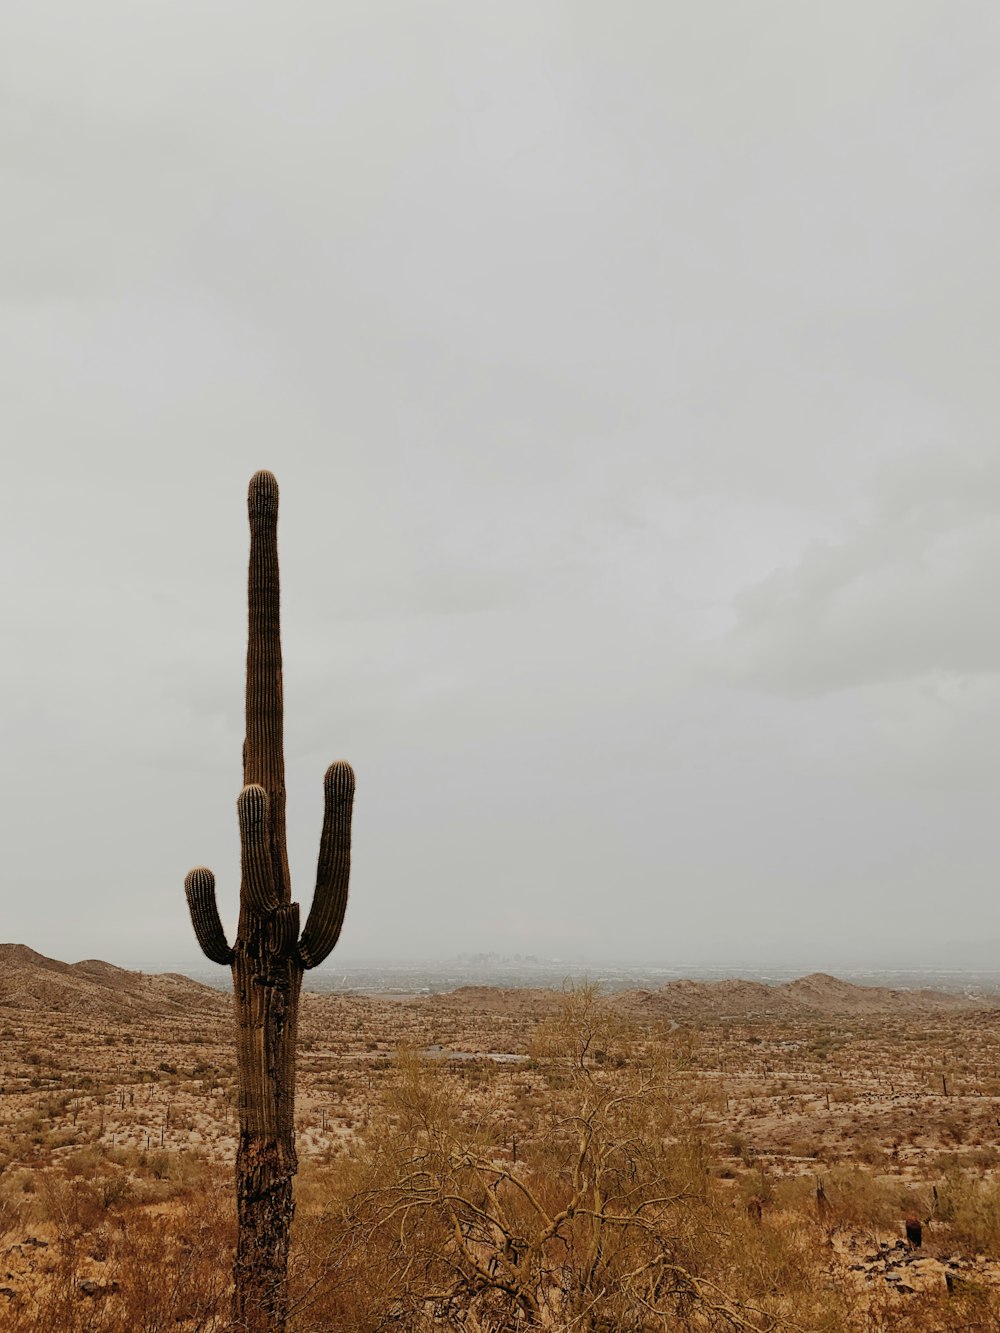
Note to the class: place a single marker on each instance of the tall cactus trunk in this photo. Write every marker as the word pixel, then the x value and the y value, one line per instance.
pixel 269 956
pixel 266 977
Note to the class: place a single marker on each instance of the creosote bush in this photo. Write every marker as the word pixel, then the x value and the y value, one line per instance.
pixel 606 1220
pixel 114 1266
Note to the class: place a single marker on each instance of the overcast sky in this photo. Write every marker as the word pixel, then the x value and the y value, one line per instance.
pixel 630 374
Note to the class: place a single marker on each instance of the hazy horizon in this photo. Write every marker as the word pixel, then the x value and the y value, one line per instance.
pixel 629 376
pixel 983 960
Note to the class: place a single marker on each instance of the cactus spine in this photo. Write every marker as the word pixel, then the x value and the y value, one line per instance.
pixel 269 955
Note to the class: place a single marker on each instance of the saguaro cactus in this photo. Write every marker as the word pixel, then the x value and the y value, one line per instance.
pixel 269 955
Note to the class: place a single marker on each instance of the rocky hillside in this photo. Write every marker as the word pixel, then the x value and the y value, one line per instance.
pixel 814 994
pixel 29 980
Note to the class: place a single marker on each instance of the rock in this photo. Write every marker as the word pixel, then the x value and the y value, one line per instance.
pixel 961 1286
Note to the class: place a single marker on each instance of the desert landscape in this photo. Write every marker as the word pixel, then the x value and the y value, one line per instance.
pixel 585 918
pixel 706 1155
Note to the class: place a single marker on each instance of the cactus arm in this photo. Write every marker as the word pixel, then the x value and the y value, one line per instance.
pixel 199 886
pixel 326 915
pixel 255 848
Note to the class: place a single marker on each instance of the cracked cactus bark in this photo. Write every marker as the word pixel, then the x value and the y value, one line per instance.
pixel 269 955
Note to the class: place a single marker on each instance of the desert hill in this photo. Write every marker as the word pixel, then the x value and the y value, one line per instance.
pixel 812 996
pixel 498 999
pixel 29 980
pixel 817 993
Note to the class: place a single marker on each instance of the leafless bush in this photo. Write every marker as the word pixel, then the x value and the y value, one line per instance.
pixel 605 1220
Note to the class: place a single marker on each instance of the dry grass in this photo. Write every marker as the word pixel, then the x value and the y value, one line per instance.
pixel 609 1177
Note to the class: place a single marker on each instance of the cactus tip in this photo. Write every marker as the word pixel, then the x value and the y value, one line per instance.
pixel 199 878
pixel 263 491
pixel 340 776
pixel 252 803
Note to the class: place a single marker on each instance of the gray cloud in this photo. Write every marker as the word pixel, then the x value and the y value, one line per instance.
pixel 904 595
pixel 630 379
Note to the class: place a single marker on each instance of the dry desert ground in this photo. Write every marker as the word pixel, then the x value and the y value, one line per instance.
pixel 705 1156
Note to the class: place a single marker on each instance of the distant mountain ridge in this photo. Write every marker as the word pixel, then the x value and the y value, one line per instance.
pixel 817 993
pixel 30 980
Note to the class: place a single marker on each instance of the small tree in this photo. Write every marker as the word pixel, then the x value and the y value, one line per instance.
pixel 269 955
pixel 599 1224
